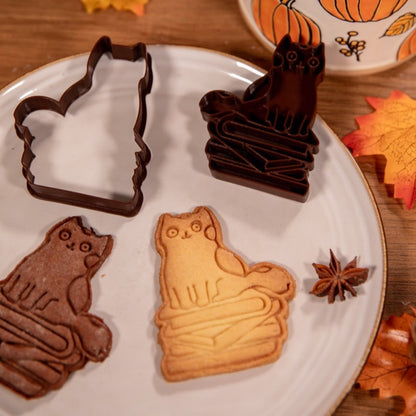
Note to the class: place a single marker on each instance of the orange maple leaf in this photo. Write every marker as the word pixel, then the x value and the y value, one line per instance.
pixel 136 6
pixel 390 131
pixel 389 368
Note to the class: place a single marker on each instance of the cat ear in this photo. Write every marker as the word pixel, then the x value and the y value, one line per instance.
pixel 70 220
pixel 210 233
pixel 284 44
pixel 197 210
pixel 213 232
pixel 319 50
pixel 102 250
pixel 160 225
pixel 159 228
pixel 74 220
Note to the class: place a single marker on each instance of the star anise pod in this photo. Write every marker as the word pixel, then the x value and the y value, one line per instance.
pixel 334 281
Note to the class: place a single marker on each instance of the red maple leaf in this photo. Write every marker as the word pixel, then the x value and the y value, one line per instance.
pixel 389 368
pixel 390 131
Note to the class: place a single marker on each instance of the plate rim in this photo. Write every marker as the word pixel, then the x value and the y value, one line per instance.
pixel 385 266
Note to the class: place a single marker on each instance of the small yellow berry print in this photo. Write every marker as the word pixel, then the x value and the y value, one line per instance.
pixel 355 47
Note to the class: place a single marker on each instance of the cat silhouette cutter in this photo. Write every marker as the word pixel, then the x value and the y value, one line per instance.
pixel 265 140
pixel 214 302
pixel 114 204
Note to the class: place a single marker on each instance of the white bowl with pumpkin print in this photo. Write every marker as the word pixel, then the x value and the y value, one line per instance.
pixel 360 36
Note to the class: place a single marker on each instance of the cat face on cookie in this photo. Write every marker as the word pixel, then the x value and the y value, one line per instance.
pixel 187 228
pixel 76 244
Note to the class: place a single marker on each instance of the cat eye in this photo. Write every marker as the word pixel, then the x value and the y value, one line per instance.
pixel 196 226
pixel 85 247
pixel 65 235
pixel 313 62
pixel 292 56
pixel 172 232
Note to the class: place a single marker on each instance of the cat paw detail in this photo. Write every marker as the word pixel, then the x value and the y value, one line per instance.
pixel 218 314
pixel 31 104
pixel 41 346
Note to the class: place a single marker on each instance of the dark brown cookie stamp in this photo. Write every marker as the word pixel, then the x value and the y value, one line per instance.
pixel 264 139
pixel 121 207
pixel 46 331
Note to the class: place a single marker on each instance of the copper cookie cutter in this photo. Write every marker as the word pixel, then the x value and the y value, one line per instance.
pixel 127 208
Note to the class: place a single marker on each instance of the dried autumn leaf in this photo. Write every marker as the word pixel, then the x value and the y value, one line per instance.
pixel 401 25
pixel 136 6
pixel 388 368
pixel 390 131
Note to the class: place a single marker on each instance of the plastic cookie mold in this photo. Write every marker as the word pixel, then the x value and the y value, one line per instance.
pixel 27 106
pixel 264 139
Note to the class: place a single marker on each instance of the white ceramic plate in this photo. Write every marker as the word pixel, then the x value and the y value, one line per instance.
pixel 327 344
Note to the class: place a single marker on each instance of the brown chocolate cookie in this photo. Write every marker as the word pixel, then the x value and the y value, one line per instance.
pixel 46 331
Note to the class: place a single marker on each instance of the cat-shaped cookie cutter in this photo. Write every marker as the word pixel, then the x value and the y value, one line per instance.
pixel 127 208
pixel 250 153
pixel 264 140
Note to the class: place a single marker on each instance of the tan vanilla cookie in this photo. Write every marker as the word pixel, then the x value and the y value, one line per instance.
pixel 218 314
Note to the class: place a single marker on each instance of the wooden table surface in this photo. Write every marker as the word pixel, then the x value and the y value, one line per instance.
pixel 36 32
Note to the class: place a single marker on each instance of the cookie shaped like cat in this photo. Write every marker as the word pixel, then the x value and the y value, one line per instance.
pixel 214 301
pixel 197 268
pixel 44 305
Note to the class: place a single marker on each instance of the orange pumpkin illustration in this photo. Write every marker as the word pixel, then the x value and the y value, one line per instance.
pixel 277 18
pixel 408 47
pixel 362 10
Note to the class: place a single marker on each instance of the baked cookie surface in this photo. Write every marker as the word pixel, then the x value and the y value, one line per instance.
pixel 218 314
pixel 46 331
